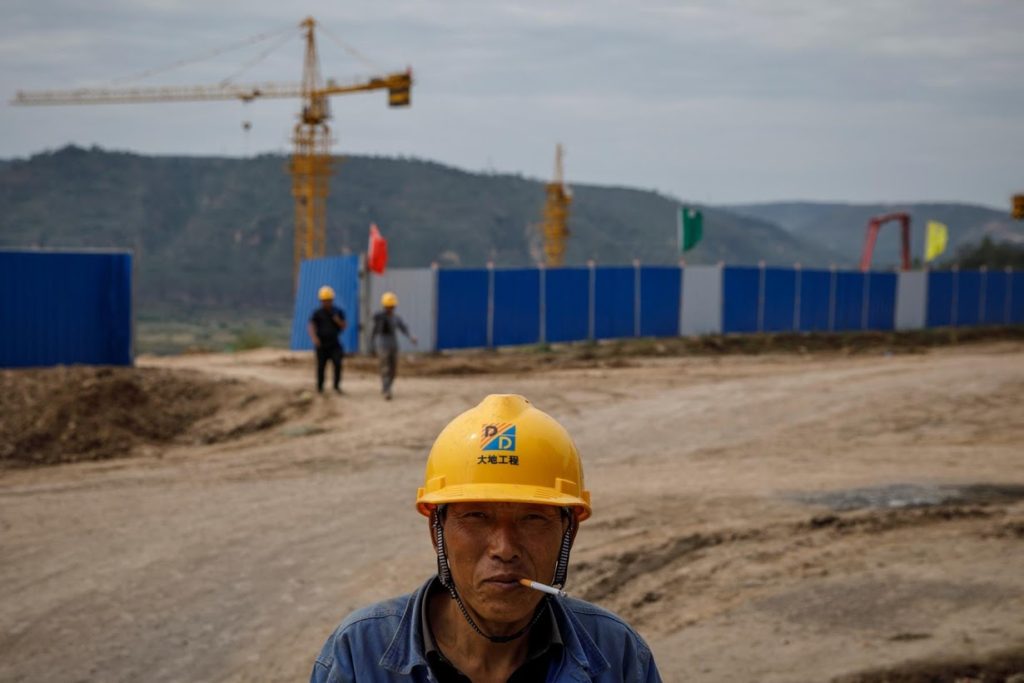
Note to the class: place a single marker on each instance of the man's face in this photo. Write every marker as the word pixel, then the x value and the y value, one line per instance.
pixel 327 303
pixel 493 545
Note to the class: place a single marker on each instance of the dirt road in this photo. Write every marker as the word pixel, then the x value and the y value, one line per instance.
pixel 716 531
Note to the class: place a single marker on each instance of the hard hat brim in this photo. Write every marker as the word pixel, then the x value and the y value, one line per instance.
pixel 503 493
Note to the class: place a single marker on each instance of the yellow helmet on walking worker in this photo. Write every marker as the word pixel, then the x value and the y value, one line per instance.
pixel 388 300
pixel 325 293
pixel 504 450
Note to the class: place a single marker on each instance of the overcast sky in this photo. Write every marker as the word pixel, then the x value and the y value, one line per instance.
pixel 711 100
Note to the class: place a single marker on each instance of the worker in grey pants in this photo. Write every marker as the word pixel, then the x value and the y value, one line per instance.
pixel 384 340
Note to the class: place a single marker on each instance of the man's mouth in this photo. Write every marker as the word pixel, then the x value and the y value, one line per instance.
pixel 504 581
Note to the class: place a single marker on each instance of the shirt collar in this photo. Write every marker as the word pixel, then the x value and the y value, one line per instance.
pixel 406 650
pixel 543 636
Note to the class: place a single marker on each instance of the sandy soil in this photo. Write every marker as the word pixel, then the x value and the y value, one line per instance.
pixel 233 560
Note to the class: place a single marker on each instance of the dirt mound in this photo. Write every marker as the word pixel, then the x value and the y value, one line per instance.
pixel 70 414
pixel 644 575
pixel 1003 667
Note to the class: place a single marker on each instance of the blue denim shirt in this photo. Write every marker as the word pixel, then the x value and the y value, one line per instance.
pixel 383 643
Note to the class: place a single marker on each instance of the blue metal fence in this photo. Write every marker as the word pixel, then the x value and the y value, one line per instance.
pixel 940 299
pixel 65 308
pixel 342 274
pixel 661 289
pixel 487 307
pixel 996 284
pixel 968 298
pixel 566 304
pixel 462 317
pixel 516 306
pixel 848 302
pixel 614 299
pixel 1016 306
pixel 815 300
pixel 621 301
pixel 880 310
pixel 779 314
pixel 740 296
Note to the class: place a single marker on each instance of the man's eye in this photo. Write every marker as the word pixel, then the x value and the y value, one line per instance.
pixel 475 515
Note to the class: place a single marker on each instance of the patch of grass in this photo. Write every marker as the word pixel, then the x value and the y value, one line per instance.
pixel 248 339
pixel 230 332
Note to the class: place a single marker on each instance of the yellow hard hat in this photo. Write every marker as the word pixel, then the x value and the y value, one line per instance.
pixel 504 450
pixel 325 293
pixel 388 300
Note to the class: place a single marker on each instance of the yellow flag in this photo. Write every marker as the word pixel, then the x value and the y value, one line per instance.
pixel 935 240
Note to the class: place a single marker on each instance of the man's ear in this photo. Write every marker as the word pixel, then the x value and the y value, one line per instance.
pixel 436 517
pixel 430 530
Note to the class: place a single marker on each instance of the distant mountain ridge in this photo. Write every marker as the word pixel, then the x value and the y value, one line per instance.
pixel 839 227
pixel 215 233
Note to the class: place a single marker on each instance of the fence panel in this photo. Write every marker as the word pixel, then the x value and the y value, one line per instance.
pixel 968 297
pixel 92 292
pixel 996 282
pixel 566 304
pixel 660 292
pixel 779 299
pixel 462 308
pixel 911 300
pixel 340 273
pixel 815 300
pixel 516 306
pixel 701 300
pixel 849 301
pixel 416 300
pixel 614 299
pixel 1017 298
pixel 740 287
pixel 940 299
pixel 881 311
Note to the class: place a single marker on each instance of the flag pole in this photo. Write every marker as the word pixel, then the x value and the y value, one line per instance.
pixel 679 229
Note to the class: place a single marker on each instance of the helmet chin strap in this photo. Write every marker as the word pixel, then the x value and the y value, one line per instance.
pixel 444 573
pixel 562 568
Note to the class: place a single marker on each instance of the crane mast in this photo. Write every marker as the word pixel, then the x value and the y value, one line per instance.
pixel 310 165
pixel 556 214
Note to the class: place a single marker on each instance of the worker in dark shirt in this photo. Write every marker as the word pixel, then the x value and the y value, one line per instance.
pixel 325 326
pixel 384 340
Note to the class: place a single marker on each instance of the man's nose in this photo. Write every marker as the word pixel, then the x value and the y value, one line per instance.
pixel 504 542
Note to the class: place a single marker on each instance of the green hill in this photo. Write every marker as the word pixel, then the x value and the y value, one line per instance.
pixel 214 234
pixel 840 227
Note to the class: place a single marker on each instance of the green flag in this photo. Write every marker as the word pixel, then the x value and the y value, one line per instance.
pixel 691 227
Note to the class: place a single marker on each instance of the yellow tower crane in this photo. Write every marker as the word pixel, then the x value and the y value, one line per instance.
pixel 311 163
pixel 556 214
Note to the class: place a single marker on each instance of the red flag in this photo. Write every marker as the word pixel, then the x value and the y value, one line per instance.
pixel 377 254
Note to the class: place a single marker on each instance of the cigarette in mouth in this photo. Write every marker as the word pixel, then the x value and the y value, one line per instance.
pixel 542 587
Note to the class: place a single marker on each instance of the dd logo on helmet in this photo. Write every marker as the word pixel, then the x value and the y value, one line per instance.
pixel 498 437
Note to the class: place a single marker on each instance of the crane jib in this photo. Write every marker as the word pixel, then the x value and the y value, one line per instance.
pixel 397 84
pixel 310 166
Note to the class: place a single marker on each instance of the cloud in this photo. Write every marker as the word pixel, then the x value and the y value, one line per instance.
pixel 671 94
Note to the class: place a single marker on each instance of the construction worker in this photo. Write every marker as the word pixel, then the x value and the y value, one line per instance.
pixel 384 340
pixel 504 497
pixel 325 327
